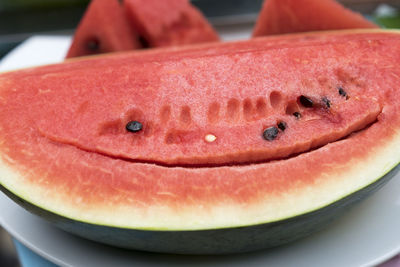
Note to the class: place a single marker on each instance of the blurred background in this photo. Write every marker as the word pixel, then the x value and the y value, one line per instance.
pixel 21 19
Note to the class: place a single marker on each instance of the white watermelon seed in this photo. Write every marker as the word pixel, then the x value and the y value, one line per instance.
pixel 210 138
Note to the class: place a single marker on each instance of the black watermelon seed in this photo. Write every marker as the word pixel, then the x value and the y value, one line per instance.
pixel 342 92
pixel 326 101
pixel 134 126
pixel 306 102
pixel 270 133
pixel 282 125
pixel 297 115
pixel 93 45
pixel 143 42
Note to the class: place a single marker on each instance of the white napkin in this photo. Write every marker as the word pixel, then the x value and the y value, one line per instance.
pixel 37 50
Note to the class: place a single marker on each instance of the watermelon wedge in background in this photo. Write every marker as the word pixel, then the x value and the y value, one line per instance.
pixel 169 23
pixel 108 26
pixel 288 16
pixel 103 28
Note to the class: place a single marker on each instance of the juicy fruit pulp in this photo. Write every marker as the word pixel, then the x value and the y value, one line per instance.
pixel 174 134
pixel 65 146
pixel 288 16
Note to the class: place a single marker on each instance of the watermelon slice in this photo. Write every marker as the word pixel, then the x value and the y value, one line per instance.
pixel 104 28
pixel 169 22
pixel 288 16
pixel 209 149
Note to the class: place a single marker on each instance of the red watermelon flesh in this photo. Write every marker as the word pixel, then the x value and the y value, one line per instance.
pixel 182 139
pixel 169 22
pixel 187 127
pixel 104 28
pixel 288 16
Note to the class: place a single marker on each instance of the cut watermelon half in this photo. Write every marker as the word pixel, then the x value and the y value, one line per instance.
pixel 208 149
pixel 288 16
pixel 104 28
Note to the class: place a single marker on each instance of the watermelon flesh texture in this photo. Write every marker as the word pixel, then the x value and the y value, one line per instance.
pixel 174 135
pixel 104 28
pixel 289 16
pixel 169 23
pixel 65 173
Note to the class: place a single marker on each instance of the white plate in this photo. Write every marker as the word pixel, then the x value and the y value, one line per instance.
pixel 367 235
